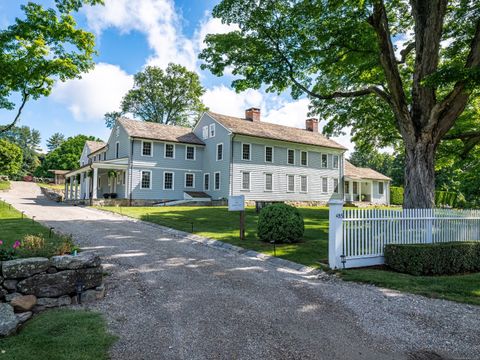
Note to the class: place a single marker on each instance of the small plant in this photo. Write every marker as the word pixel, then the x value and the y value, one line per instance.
pixel 280 223
pixel 66 246
pixel 9 252
pixel 33 242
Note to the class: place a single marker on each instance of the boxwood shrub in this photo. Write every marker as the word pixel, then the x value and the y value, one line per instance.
pixel 396 195
pixel 281 223
pixel 434 259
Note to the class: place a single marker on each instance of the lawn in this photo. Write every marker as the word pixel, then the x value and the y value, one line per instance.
pixel 60 335
pixel 4 185
pixel 52 186
pixel 13 227
pixel 220 224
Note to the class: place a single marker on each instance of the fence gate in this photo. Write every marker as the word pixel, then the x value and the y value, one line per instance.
pixel 357 237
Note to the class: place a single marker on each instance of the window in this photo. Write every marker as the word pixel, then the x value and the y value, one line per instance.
pixel 303 183
pixel 246 151
pixel 170 151
pixel 268 182
pixel 119 177
pixel 335 161
pixel 167 181
pixel 217 181
pixel 206 182
pixel 146 179
pixel 347 187
pixel 104 156
pixel 190 153
pixel 324 160
pixel 268 154
pixel 146 148
pixel 219 152
pixel 324 185
pixel 124 178
pixel 117 150
pixel 355 187
pixel 380 188
pixel 290 183
pixel 304 158
pixel 335 185
pixel 212 130
pixel 245 180
pixel 189 180
pixel 291 156
pixel 205 132
pixel 118 131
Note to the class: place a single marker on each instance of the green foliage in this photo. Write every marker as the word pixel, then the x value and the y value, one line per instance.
pixel 40 48
pixel 55 141
pixel 64 157
pixel 10 158
pixel 170 96
pixel 280 223
pixel 396 195
pixel 445 198
pixel 434 259
pixel 29 141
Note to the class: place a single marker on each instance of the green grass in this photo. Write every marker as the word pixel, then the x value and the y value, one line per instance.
pixel 220 224
pixel 13 227
pixel 4 185
pixel 52 186
pixel 461 288
pixel 60 335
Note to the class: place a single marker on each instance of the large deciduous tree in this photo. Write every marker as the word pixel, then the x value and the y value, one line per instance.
pixel 393 69
pixel 28 140
pixel 39 49
pixel 170 96
pixel 10 158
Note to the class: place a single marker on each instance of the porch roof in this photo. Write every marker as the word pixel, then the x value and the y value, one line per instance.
pixel 99 165
pixel 356 173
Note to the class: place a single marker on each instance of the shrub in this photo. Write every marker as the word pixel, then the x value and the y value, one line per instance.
pixel 33 242
pixel 434 259
pixel 280 223
pixel 396 195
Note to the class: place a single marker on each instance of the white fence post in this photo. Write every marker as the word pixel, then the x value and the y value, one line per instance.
pixel 335 235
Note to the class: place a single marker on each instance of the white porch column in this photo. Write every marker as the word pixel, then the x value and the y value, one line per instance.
pixel 82 185
pixel 371 192
pixel 87 187
pixel 66 188
pixel 335 234
pixel 95 183
pixel 71 188
pixel 75 181
pixel 359 190
pixel 350 191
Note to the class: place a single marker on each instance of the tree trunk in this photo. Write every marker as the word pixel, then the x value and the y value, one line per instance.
pixel 419 175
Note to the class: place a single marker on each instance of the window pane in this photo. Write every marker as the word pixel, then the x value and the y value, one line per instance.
pixel 117 147
pixel 355 188
pixel 246 151
pixel 188 180
pixel 291 157
pixel 206 182
pixel 168 181
pixel 324 185
pixel 268 154
pixel 304 158
pixel 147 148
pixel 335 161
pixel 169 150
pixel 380 188
pixel 303 183
pixel 190 152
pixel 212 130
pixel 324 160
pixel 205 132
pixel 217 181
pixel 246 181
pixel 145 180
pixel 268 182
pixel 347 187
pixel 219 151
pixel 291 182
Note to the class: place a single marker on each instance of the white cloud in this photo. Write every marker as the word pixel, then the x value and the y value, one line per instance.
pixel 224 100
pixel 157 19
pixel 97 92
pixel 211 25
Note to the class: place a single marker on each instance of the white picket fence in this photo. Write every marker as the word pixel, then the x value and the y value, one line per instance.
pixel 357 237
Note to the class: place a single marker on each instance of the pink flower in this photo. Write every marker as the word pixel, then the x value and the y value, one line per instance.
pixel 17 244
pixel 1 242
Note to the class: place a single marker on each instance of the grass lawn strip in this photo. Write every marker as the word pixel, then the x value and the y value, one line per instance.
pixel 4 185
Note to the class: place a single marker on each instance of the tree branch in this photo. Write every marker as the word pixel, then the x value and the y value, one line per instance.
pixel 463 136
pixel 404 53
pixel 4 129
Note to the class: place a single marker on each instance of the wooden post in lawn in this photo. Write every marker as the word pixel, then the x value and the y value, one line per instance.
pixel 237 203
pixel 242 225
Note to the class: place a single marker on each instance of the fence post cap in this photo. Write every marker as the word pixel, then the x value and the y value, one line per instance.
pixel 335 202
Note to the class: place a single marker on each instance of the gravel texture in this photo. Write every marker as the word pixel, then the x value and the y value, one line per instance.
pixel 170 295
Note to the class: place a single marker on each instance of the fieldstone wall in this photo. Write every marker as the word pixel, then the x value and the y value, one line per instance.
pixel 30 285
pixel 54 195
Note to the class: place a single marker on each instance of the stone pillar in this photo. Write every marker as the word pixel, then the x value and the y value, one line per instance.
pixel 335 234
pixel 95 183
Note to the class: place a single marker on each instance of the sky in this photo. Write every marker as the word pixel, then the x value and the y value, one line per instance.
pixel 131 34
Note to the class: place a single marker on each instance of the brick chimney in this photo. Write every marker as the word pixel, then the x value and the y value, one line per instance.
pixel 311 125
pixel 252 114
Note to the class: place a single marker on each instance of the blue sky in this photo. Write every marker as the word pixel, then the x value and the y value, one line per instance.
pixel 129 35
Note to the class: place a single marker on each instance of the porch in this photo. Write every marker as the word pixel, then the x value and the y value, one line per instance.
pixel 358 190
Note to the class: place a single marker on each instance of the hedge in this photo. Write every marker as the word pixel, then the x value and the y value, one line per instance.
pixel 280 223
pixel 396 195
pixel 434 259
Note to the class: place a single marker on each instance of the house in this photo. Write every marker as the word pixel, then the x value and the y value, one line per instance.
pixel 59 176
pixel 146 163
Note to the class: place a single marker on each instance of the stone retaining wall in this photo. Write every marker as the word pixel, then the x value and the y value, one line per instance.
pixel 30 285
pixel 54 195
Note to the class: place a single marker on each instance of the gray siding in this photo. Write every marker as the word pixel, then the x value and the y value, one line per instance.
pixel 118 134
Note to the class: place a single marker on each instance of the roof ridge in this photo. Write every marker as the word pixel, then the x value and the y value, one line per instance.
pixel 154 123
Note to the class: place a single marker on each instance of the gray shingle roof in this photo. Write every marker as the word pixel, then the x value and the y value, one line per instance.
pixel 94 145
pixel 155 131
pixel 354 172
pixel 274 131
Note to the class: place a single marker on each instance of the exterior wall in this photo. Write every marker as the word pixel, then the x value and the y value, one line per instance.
pixel 118 134
pixel 210 164
pixel 378 198
pixel 84 157
pixel 280 169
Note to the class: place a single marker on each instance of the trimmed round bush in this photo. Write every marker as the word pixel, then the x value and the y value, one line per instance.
pixel 281 223
pixel 396 195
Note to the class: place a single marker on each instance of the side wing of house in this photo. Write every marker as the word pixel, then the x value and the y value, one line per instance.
pixel 84 157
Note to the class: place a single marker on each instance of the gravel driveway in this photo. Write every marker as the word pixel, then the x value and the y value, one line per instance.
pixel 169 297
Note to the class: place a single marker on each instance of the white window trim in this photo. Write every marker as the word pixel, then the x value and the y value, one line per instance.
pixel 151 148
pixel 333 161
pixel 219 180
pixel 265 154
pixel 185 180
pixel 216 153
pixel 301 152
pixel 194 152
pixel 141 178
pixel 303 191
pixel 165 151
pixel 249 152
pixel 294 185
pixel 288 163
pixel 117 152
pixel 265 182
pixel 321 185
pixel 173 180
pixel 204 188
pixel 321 161
pixel 249 181
pixel 205 132
pixel 212 126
